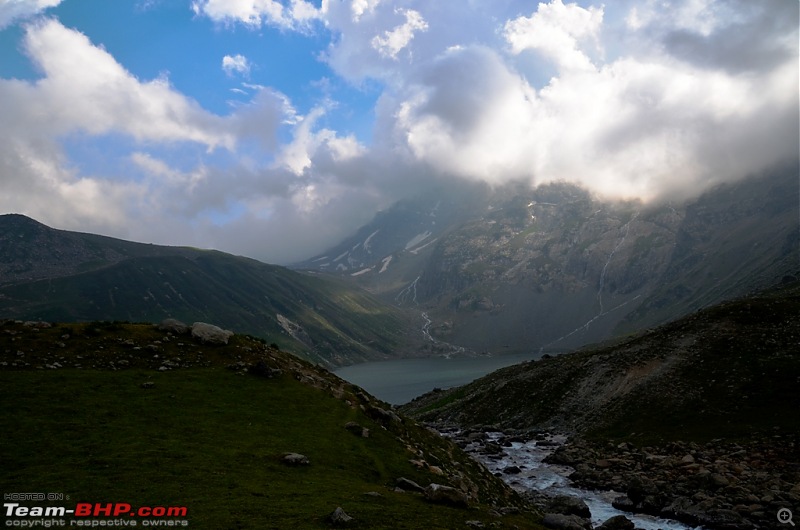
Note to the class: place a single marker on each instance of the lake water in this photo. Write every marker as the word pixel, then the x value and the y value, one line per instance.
pixel 399 381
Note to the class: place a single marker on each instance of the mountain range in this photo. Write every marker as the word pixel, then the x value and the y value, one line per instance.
pixel 466 268
pixel 57 275
pixel 515 269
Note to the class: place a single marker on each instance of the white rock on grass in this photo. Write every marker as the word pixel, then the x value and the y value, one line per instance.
pixel 210 333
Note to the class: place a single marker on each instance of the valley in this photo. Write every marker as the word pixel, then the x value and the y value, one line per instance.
pixel 48 274
pixel 516 269
pixel 695 420
pixel 657 343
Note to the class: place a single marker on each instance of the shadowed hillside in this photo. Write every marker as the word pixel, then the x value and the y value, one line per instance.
pixel 58 275
pixel 243 435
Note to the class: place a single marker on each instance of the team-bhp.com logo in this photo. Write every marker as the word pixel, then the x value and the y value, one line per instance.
pixel 95 514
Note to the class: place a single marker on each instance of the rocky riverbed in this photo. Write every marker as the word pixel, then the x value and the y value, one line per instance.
pixel 521 460
pixel 716 485
pixel 719 484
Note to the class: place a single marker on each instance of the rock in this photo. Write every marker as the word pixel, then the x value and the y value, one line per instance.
pixel 559 521
pixel 264 370
pixel 295 459
pixel 566 505
pixel 383 415
pixel 463 483
pixel 210 333
pixel 624 504
pixel 440 494
pixel 718 481
pixel 408 484
pixel 512 470
pixel 357 429
pixel 688 459
pixel 639 488
pixel 339 517
pixel 474 524
pixel 174 326
pixel 147 384
pixel 618 522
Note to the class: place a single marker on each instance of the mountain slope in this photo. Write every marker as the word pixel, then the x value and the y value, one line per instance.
pixel 58 275
pixel 695 420
pixel 727 371
pixel 553 268
pixel 132 414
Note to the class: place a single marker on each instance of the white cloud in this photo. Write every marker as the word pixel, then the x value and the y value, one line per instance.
pixel 395 40
pixel 629 102
pixel 85 89
pixel 11 10
pixel 359 7
pixel 556 31
pixel 236 64
pixel 640 125
pixel 255 13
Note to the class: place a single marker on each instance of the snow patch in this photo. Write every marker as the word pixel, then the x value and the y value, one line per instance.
pixel 386 261
pixel 419 238
pixel 340 256
pixel 367 241
pixel 362 271
pixel 429 243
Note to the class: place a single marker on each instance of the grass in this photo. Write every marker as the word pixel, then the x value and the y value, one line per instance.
pixel 730 371
pixel 212 439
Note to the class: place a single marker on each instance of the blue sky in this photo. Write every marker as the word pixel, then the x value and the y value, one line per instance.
pixel 274 128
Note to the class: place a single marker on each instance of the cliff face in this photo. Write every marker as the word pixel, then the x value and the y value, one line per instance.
pixel 554 268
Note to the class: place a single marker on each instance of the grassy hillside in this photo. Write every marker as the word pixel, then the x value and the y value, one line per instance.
pixel 110 412
pixel 66 276
pixel 728 371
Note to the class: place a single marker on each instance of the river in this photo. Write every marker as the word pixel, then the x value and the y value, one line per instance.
pixel 401 380
pixel 552 480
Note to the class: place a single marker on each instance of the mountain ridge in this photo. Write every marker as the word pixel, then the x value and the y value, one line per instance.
pixel 554 268
pixel 59 275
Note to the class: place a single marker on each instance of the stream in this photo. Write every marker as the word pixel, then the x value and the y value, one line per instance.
pixel 552 479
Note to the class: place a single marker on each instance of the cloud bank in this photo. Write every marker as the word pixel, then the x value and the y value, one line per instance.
pixel 640 99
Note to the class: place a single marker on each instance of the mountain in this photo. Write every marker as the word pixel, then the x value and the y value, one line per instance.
pixel 726 371
pixel 241 435
pixel 553 268
pixel 694 420
pixel 48 274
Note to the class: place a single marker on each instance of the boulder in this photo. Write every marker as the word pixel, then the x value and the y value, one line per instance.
pixel 295 459
pixel 339 517
pixel 382 415
pixel 559 521
pixel 210 333
pixel 618 522
pixel 357 429
pixel 567 505
pixel 408 484
pixel 440 494
pixel 173 326
pixel 623 503
pixel 640 487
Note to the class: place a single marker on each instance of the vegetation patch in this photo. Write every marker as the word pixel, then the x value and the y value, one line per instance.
pixel 210 431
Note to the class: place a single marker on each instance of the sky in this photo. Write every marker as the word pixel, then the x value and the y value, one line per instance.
pixel 275 128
